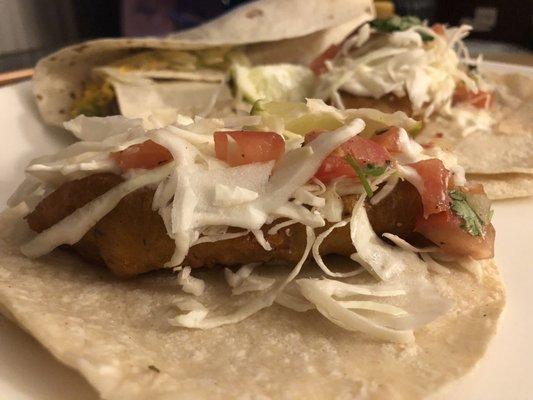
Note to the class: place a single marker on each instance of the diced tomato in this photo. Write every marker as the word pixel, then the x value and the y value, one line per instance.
pixel 479 99
pixel 318 65
pixel 444 229
pixel 390 139
pixel 146 155
pixel 434 190
pixel 365 151
pixel 439 29
pixel 245 147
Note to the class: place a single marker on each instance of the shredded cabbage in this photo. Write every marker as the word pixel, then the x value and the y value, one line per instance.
pixel 217 238
pixel 373 306
pixel 275 229
pixel 379 258
pixel 398 241
pixel 243 281
pixel 402 64
pixel 385 190
pixel 189 283
pixel 203 200
pixel 260 237
pixel 340 315
pixel 333 207
pixel 318 258
pixel 72 228
pixel 250 308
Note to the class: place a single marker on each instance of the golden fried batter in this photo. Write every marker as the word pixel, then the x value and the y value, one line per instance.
pixel 132 238
pixel 388 103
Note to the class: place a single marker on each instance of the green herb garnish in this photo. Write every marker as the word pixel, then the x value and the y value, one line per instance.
pixel 258 107
pixel 415 130
pixel 426 37
pixel 472 223
pixel 374 170
pixel 360 174
pixel 397 23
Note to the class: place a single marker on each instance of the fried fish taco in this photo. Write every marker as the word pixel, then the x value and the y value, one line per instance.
pixel 188 71
pixel 316 253
pixel 400 63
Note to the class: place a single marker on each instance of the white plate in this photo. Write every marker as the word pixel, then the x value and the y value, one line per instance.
pixel 29 372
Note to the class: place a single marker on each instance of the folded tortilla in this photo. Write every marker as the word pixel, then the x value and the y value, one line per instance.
pixel 117 335
pixel 499 151
pixel 265 30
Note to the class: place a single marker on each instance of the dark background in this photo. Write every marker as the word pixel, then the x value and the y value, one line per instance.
pixel 40 27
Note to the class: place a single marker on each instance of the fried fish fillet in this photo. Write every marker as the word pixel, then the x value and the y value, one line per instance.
pixel 132 238
pixel 388 104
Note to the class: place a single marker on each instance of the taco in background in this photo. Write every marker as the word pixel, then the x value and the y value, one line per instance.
pixel 410 306
pixel 187 71
pixel 400 63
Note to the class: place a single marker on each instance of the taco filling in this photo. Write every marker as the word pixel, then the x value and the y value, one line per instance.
pixel 400 63
pixel 291 182
pixel 99 95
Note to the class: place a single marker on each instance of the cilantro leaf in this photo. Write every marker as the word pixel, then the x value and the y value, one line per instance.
pixel 426 37
pixel 397 23
pixel 360 174
pixel 472 223
pixel 374 170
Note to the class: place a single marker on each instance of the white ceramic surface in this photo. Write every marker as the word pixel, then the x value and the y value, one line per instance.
pixel 29 372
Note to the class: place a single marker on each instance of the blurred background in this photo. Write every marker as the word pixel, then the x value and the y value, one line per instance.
pixel 30 29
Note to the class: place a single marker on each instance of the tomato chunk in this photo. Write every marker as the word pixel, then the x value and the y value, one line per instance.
pixel 439 29
pixel 146 155
pixel 365 151
pixel 434 188
pixel 390 139
pixel 245 147
pixel 318 65
pixel 444 229
pixel 479 99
